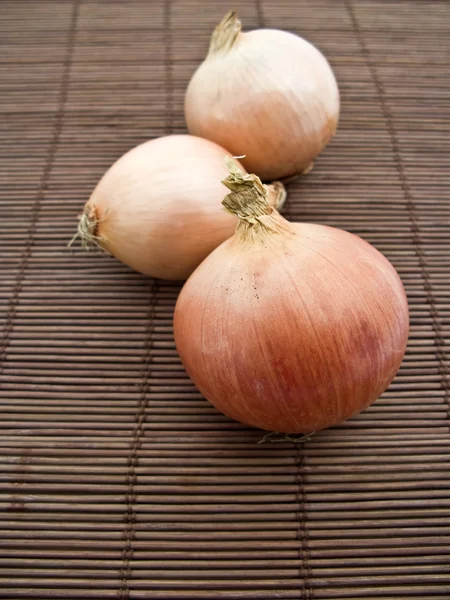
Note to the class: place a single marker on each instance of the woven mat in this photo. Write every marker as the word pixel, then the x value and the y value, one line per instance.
pixel 117 479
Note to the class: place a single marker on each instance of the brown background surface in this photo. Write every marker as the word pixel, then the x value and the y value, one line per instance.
pixel 117 479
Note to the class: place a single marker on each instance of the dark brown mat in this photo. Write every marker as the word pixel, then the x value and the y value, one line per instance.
pixel 117 479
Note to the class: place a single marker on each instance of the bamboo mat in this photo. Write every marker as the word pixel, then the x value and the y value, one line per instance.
pixel 117 479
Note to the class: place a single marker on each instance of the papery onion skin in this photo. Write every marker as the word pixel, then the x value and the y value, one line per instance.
pixel 268 94
pixel 158 208
pixel 292 330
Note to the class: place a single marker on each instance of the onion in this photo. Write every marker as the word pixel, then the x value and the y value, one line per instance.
pixel 158 208
pixel 290 327
pixel 268 94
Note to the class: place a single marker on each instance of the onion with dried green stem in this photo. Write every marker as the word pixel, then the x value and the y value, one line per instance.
pixel 158 208
pixel 290 327
pixel 267 94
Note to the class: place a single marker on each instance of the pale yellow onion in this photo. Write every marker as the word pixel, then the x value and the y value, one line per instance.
pixel 158 208
pixel 267 94
pixel 290 327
